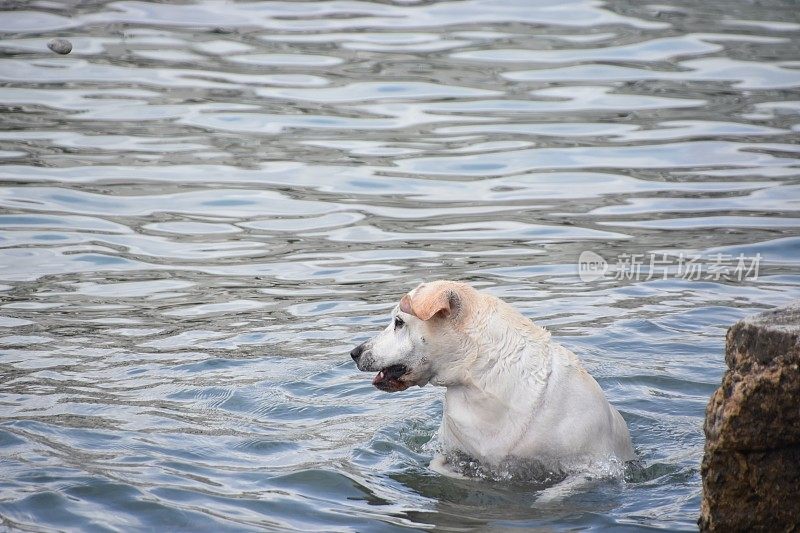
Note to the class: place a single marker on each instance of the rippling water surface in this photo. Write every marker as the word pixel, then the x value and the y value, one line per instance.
pixel 207 204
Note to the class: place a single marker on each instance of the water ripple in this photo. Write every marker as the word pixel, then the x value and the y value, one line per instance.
pixel 206 204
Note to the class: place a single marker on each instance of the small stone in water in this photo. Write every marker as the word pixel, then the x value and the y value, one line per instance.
pixel 60 46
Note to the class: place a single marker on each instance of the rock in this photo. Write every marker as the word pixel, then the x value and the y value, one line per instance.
pixel 60 46
pixel 751 465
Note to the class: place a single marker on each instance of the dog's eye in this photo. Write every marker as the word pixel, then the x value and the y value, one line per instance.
pixel 398 322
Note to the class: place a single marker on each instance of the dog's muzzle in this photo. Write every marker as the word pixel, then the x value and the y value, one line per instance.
pixel 389 378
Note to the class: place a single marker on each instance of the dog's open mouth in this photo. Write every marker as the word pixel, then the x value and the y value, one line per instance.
pixel 388 379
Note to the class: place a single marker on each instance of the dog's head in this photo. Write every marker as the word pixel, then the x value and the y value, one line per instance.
pixel 424 340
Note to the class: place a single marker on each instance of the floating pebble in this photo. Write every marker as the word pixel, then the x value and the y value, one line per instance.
pixel 60 46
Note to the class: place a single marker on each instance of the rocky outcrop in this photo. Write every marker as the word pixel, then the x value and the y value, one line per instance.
pixel 751 466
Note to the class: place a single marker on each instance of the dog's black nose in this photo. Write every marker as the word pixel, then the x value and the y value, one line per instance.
pixel 356 352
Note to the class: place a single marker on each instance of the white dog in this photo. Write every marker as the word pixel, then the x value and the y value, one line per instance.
pixel 512 392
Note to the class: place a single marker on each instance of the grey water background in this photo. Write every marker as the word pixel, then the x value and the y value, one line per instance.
pixel 207 204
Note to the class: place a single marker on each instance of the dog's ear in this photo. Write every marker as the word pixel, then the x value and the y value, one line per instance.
pixel 432 299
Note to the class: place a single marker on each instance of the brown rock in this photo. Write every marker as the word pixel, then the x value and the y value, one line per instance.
pixel 751 465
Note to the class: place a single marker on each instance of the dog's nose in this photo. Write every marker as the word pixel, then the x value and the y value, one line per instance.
pixel 356 352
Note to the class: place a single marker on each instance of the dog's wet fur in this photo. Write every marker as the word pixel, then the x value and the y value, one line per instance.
pixel 512 392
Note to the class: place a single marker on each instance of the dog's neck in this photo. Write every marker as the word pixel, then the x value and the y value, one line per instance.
pixel 505 348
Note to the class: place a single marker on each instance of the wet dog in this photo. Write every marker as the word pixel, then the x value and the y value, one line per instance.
pixel 512 392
